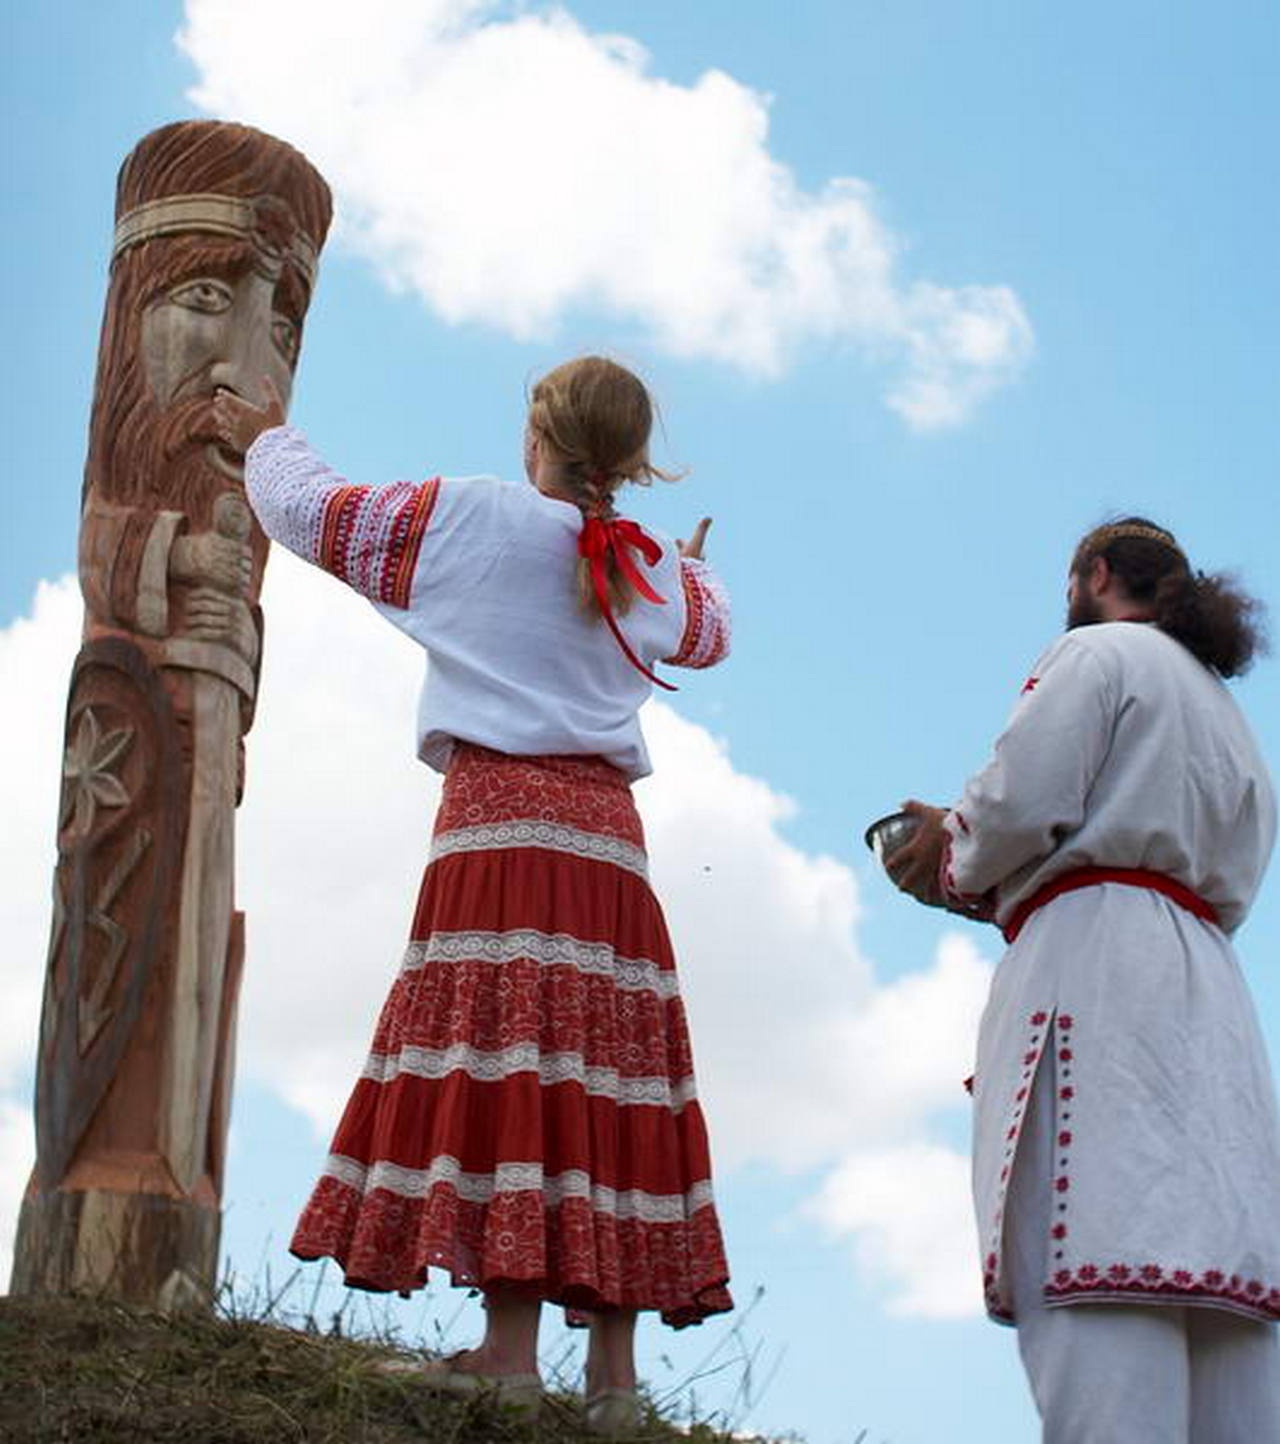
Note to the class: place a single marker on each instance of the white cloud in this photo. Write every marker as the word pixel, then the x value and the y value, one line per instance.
pixel 804 1060
pixel 35 661
pixel 332 835
pixel 36 653
pixel 510 166
pixel 907 1052
pixel 764 933
pixel 17 1154
pixel 907 1209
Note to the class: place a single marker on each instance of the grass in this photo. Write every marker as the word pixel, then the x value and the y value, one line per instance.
pixel 93 1371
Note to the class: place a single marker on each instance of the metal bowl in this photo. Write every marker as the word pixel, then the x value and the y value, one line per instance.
pixel 887 834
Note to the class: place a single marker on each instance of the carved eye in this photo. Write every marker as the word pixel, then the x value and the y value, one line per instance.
pixel 205 295
pixel 285 335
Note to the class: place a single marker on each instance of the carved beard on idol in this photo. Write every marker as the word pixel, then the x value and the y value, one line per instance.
pixel 152 439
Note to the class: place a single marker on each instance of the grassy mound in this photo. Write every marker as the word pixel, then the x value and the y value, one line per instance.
pixel 91 1372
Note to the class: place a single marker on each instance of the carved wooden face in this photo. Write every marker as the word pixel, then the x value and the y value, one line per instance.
pixel 227 326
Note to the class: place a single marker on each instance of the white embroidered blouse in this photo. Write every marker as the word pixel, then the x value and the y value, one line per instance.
pixel 482 573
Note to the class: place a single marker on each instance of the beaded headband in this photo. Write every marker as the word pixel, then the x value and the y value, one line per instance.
pixel 1103 536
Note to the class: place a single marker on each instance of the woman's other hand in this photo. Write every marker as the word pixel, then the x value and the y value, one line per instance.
pixel 693 547
pixel 240 423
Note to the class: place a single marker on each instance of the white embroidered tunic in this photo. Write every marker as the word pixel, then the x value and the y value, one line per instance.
pixel 1125 753
pixel 445 559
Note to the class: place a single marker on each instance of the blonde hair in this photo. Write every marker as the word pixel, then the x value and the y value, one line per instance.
pixel 594 418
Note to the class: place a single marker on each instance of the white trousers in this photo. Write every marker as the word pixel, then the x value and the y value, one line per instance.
pixel 1127 1373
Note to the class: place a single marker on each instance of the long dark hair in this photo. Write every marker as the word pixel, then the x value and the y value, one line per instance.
pixel 1218 623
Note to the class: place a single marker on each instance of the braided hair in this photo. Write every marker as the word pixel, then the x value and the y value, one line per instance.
pixel 594 418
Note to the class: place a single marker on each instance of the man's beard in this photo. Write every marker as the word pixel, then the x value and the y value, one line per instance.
pixel 1084 611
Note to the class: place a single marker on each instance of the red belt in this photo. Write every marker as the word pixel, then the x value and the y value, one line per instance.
pixel 1092 876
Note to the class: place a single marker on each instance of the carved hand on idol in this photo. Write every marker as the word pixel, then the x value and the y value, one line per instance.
pixel 693 547
pixel 211 560
pixel 914 867
pixel 212 616
pixel 240 422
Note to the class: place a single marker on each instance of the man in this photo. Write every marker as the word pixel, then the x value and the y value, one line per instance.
pixel 1127 1150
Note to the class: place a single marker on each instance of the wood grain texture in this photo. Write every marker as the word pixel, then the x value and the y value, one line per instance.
pixel 146 948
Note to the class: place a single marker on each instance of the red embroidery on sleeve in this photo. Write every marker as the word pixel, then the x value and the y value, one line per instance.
pixel 370 537
pixel 982 908
pixel 407 531
pixel 707 627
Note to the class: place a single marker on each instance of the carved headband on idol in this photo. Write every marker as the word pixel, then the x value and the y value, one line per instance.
pixel 214 215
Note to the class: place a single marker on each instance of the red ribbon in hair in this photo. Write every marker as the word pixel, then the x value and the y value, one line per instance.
pixel 619 537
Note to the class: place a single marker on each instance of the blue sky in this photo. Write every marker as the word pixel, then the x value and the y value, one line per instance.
pixel 1093 174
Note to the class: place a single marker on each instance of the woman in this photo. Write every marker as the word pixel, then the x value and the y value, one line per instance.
pixel 527 1117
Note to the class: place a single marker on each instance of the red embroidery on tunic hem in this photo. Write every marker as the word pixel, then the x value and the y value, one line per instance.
pixel 1118 1279
pixel 1248 1295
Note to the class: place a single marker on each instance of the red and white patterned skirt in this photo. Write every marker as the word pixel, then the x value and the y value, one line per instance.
pixel 527 1114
